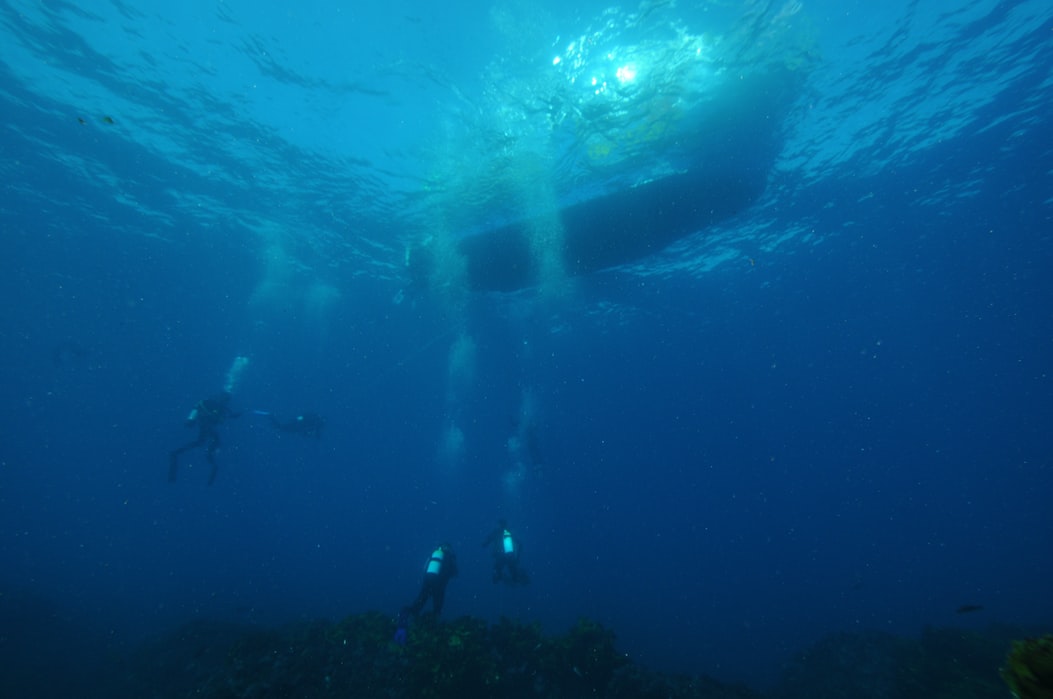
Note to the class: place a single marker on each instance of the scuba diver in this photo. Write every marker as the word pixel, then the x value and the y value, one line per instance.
pixel 506 555
pixel 307 424
pixel 208 415
pixel 440 568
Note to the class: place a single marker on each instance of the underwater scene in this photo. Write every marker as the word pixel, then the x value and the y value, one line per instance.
pixel 522 348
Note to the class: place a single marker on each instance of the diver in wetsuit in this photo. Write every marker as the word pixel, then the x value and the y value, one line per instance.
pixel 208 415
pixel 441 566
pixel 506 549
pixel 307 424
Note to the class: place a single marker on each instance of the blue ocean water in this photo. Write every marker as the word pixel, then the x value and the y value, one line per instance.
pixel 827 410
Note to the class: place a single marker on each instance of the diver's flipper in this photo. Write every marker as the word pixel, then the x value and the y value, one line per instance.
pixel 173 466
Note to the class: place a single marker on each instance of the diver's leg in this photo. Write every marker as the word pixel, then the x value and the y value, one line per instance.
pixel 173 457
pixel 499 565
pixel 438 596
pixel 422 597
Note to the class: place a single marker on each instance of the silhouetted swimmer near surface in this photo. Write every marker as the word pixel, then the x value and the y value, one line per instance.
pixel 208 415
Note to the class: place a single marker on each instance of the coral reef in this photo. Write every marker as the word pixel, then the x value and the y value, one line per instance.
pixel 357 657
pixel 1029 668
pixel 942 664
pixel 466 657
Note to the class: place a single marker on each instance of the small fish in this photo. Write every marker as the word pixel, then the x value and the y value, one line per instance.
pixel 108 120
pixel 968 608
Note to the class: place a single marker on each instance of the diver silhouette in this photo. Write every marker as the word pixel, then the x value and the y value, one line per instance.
pixel 208 415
